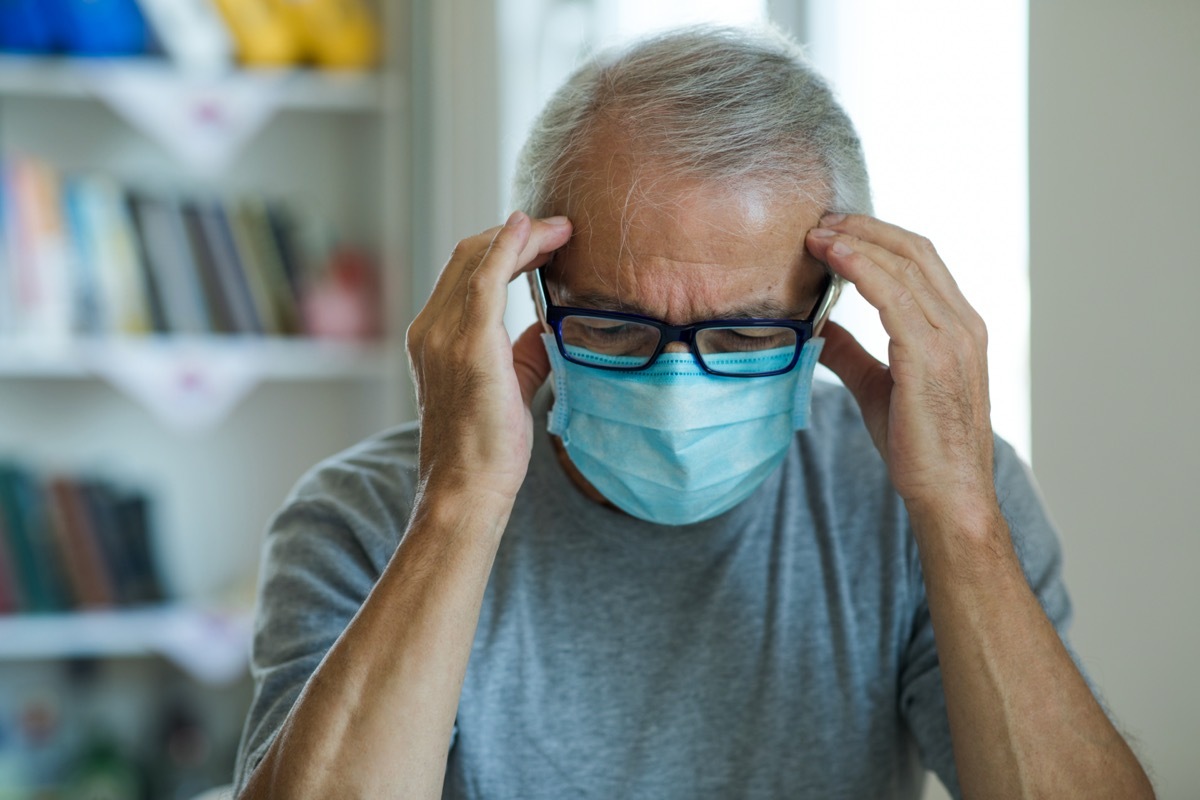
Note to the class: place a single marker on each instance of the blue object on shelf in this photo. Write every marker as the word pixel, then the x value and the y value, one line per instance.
pixel 98 27
pixel 25 27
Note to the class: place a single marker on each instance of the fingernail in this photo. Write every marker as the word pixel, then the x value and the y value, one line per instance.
pixel 832 219
pixel 513 218
pixel 557 221
pixel 822 233
pixel 840 248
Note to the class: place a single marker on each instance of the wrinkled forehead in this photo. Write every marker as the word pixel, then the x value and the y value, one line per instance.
pixel 683 249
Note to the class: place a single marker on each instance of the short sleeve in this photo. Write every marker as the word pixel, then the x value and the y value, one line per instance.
pixel 323 553
pixel 922 699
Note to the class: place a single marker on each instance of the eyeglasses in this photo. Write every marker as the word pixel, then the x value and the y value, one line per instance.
pixel 741 348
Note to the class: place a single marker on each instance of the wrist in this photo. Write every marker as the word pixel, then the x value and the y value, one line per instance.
pixel 972 539
pixel 460 505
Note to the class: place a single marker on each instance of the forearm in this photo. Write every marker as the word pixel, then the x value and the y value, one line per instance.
pixel 1022 719
pixel 375 718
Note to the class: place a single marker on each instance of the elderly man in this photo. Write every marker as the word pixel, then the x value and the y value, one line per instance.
pixel 638 553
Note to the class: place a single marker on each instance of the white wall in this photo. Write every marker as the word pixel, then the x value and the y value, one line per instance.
pixel 1115 276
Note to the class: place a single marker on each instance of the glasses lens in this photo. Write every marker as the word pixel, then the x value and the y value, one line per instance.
pixel 608 342
pixel 746 351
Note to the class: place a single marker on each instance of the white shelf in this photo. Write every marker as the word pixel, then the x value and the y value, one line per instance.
pixel 269 358
pixel 301 89
pixel 213 647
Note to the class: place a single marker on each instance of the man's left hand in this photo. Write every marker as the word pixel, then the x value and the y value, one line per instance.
pixel 927 410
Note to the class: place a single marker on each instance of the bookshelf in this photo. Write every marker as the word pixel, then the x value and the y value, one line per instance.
pixel 299 89
pixel 271 358
pixel 335 146
pixel 209 645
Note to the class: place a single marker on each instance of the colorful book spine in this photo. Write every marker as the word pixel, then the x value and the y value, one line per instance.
pixel 79 550
pixel 84 256
pixel 73 544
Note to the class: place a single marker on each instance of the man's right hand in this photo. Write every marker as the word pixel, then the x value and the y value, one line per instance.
pixel 474 385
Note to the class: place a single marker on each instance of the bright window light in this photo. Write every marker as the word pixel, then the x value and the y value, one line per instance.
pixel 624 19
pixel 938 93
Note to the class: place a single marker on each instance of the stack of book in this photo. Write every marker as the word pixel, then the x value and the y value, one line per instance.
pixel 86 256
pixel 198 34
pixel 68 543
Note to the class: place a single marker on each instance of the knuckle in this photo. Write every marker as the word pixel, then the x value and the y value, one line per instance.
pixel 905 300
pixel 910 269
pixel 478 281
pixel 979 327
pixel 924 245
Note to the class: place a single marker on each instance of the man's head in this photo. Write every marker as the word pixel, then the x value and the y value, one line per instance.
pixel 691 165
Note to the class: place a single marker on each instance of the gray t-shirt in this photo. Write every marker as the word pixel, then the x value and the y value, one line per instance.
pixel 781 650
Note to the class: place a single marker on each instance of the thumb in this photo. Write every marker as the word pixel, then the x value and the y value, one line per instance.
pixel 867 378
pixel 530 361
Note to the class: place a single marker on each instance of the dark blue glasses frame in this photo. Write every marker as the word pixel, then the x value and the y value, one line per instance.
pixel 554 315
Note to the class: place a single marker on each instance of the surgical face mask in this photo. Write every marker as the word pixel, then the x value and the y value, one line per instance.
pixel 672 443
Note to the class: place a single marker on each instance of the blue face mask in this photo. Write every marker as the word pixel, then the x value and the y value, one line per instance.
pixel 673 444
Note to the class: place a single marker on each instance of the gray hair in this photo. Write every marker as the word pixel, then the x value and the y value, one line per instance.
pixel 726 105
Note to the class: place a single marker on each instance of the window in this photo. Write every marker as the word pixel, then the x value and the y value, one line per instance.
pixel 938 92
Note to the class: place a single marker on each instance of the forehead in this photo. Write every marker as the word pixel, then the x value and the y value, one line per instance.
pixel 685 249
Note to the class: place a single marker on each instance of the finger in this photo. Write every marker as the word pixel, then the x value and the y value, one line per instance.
pixel 901 314
pixel 517 248
pixel 460 261
pixel 905 243
pixel 547 236
pixel 469 251
pixel 868 379
pixel 820 242
pixel 530 361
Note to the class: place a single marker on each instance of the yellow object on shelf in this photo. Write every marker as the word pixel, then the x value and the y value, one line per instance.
pixel 264 32
pixel 336 34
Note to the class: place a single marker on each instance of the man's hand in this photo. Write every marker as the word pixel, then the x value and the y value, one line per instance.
pixel 375 718
pixel 474 386
pixel 927 410
pixel 1022 720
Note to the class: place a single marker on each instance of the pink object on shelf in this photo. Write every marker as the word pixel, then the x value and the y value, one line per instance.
pixel 344 303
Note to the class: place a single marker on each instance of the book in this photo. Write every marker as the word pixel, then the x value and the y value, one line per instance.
pixel 105 238
pixel 86 297
pixel 82 255
pixel 149 281
pixel 7 302
pixel 230 271
pixel 271 262
pixel 41 576
pixel 169 261
pixel 131 513
pixel 97 498
pixel 10 590
pixel 39 251
pixel 247 238
pixel 78 547
pixel 283 231
pixel 220 312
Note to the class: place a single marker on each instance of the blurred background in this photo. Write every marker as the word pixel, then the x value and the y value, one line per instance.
pixel 217 218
